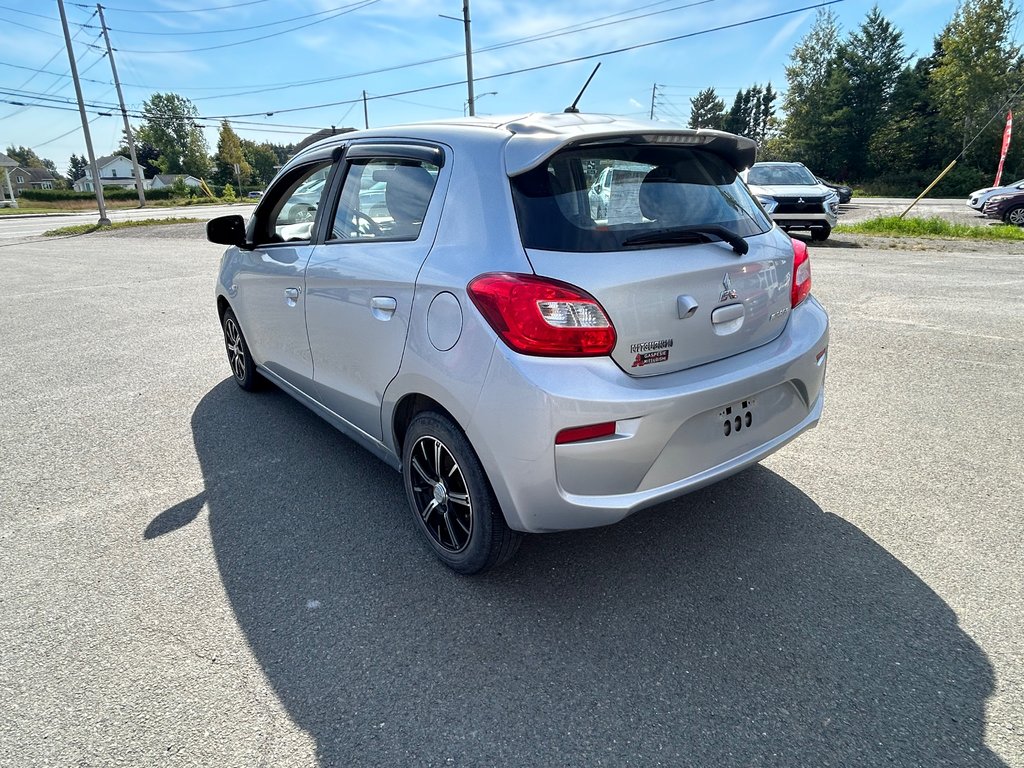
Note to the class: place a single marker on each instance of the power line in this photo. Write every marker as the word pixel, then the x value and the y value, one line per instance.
pixel 222 31
pixel 349 9
pixel 184 10
pixel 29 13
pixel 574 60
pixel 558 32
pixel 577 59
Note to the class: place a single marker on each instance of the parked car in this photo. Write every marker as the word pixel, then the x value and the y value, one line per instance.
pixel 794 198
pixel 256 194
pixel 979 197
pixel 525 367
pixel 300 208
pixel 1006 207
pixel 845 193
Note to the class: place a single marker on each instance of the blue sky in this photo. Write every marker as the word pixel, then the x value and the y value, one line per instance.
pixel 345 44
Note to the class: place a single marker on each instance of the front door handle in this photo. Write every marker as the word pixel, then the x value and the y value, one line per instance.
pixel 291 296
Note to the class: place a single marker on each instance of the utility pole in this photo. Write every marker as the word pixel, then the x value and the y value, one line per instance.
pixel 124 112
pixel 471 101
pixel 366 113
pixel 97 181
pixel 469 59
pixel 654 89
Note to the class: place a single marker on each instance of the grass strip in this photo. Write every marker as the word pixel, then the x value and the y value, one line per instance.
pixel 85 229
pixel 932 227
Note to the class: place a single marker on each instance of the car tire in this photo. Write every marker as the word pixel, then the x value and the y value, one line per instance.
pixel 821 233
pixel 1015 215
pixel 302 214
pixel 451 499
pixel 243 368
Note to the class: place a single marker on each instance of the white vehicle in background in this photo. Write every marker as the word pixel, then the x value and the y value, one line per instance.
pixel 794 197
pixel 979 197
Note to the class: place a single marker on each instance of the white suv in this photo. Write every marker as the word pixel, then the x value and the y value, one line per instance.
pixel 794 197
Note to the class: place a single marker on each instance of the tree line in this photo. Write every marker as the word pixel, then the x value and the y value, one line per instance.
pixel 856 110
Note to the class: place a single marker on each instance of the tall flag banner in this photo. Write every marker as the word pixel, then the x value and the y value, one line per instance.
pixel 1006 145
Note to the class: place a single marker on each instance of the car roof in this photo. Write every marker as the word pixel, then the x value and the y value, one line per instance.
pixel 529 139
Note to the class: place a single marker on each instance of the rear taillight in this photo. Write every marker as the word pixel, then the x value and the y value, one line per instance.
pixel 801 273
pixel 538 316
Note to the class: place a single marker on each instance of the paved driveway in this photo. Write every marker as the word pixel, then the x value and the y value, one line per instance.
pixel 195 576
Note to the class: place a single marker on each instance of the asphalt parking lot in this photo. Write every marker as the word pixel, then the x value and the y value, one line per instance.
pixel 195 576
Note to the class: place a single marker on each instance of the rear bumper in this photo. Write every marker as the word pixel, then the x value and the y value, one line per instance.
pixel 669 430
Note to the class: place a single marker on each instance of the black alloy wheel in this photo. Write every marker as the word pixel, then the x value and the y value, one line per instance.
pixel 451 499
pixel 243 369
pixel 1015 215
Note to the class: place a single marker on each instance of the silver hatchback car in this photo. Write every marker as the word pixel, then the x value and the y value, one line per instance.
pixel 528 362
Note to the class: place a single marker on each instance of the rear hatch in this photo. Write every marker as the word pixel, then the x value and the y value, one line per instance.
pixel 683 261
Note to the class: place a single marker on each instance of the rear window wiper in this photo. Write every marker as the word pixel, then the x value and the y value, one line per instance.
pixel 705 233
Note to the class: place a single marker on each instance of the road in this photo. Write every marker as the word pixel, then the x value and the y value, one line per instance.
pixel 14 227
pixel 195 576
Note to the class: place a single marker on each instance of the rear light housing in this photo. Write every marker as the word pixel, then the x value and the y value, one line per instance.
pixel 801 273
pixel 539 316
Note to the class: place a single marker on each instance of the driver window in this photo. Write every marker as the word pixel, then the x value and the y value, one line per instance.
pixel 384 198
pixel 293 215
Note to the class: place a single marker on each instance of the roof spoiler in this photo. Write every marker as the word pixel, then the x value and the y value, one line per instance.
pixel 523 155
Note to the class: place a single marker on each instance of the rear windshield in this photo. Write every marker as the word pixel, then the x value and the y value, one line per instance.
pixel 766 175
pixel 594 198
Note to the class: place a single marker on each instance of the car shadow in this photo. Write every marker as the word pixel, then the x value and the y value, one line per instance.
pixel 741 625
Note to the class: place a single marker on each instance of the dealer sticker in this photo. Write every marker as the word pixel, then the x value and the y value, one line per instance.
pixel 650 357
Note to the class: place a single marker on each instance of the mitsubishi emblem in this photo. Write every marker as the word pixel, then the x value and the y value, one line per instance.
pixel 729 292
pixel 800 201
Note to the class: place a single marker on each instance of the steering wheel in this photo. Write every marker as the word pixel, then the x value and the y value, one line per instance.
pixel 366 225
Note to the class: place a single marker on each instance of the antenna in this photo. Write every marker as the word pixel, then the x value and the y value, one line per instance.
pixel 572 107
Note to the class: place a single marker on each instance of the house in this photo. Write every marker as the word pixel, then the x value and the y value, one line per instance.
pixel 23 178
pixel 114 170
pixel 162 180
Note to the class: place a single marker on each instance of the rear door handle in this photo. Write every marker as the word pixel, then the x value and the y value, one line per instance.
pixel 383 307
pixel 291 296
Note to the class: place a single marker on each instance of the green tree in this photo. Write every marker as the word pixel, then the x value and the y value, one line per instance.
pixel 859 93
pixel 915 138
pixel 977 70
pixel 807 76
pixel 171 127
pixel 752 113
pixel 707 110
pixel 263 160
pixel 25 157
pixel 76 167
pixel 229 154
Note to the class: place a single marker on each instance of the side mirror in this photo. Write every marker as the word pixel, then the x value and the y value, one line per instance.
pixel 226 230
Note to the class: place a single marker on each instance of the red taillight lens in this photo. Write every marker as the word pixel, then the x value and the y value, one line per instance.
pixel 538 316
pixel 589 432
pixel 801 272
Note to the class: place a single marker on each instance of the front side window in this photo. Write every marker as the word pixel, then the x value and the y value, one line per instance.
pixel 384 198
pixel 603 198
pixel 289 211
